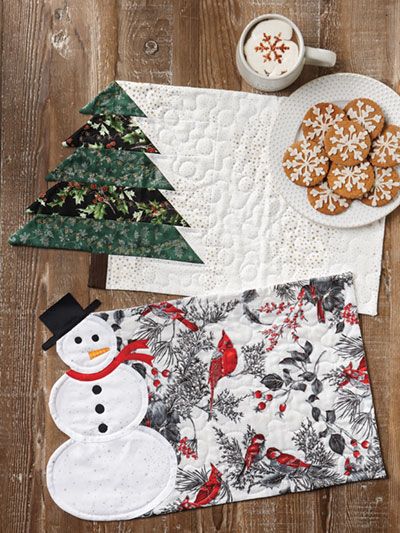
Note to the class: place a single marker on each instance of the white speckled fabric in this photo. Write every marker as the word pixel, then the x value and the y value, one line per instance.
pixel 252 395
pixel 214 150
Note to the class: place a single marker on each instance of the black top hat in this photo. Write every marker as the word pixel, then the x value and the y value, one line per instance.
pixel 63 316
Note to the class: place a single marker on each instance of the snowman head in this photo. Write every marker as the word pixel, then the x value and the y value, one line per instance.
pixel 89 346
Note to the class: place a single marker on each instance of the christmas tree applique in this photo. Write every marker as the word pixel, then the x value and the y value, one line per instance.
pixel 107 195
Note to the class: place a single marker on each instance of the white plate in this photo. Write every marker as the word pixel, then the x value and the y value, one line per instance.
pixel 339 89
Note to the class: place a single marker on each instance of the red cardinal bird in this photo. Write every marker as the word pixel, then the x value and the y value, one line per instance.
pixel 254 453
pixel 222 364
pixel 360 374
pixel 318 302
pixel 207 492
pixel 169 312
pixel 285 459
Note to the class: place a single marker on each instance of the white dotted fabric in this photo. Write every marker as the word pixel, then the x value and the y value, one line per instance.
pixel 215 150
pixel 113 479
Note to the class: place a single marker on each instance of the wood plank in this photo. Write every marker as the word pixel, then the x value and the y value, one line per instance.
pixel 56 55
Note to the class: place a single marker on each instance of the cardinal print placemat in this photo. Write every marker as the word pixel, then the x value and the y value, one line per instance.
pixel 204 401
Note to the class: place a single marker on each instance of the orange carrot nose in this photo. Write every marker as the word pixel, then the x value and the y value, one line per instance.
pixel 96 353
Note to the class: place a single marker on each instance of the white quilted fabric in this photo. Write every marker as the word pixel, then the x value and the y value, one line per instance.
pixel 214 150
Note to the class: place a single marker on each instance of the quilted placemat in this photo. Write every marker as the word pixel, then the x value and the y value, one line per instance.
pixel 172 187
pixel 214 151
pixel 221 399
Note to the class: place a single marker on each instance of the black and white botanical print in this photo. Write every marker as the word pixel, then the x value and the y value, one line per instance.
pixel 261 393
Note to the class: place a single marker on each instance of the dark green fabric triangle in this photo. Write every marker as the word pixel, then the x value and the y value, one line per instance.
pixel 105 236
pixel 117 132
pixel 112 100
pixel 104 166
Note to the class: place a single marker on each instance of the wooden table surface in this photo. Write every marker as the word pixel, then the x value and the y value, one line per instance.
pixel 57 54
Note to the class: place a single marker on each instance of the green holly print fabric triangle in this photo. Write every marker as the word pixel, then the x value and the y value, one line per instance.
pixel 112 100
pixel 107 202
pixel 110 167
pixel 105 236
pixel 111 131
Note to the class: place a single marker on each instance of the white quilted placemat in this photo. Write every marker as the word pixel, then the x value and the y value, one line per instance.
pixel 214 150
pixel 204 401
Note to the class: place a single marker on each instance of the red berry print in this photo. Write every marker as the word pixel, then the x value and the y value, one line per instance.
pixel 354 443
pixel 356 454
pixel 156 383
pixel 365 444
pixel 282 407
pixel 269 397
pixel 186 449
pixel 154 371
pixel 258 394
pixel 349 314
pixel 347 472
pixel 261 406
pixel 165 373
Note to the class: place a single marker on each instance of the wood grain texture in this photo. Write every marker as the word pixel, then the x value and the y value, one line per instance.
pixel 55 55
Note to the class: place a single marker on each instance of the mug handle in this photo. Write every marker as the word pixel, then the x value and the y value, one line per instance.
pixel 319 57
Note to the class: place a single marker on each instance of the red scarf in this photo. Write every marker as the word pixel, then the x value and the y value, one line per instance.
pixel 127 354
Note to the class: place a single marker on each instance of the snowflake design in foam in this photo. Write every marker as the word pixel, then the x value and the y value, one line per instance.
pixel 272 47
pixel 348 141
pixel 307 162
pixel 322 120
pixel 387 146
pixel 363 113
pixel 351 177
pixel 326 197
pixel 383 186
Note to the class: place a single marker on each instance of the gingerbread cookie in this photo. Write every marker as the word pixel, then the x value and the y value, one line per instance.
pixel 385 150
pixel 324 200
pixel 347 143
pixel 305 163
pixel 319 118
pixel 368 114
pixel 385 188
pixel 351 182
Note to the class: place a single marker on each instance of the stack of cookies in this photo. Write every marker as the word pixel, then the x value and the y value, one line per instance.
pixel 346 155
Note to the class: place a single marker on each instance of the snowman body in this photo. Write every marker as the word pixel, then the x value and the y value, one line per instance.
pixel 111 468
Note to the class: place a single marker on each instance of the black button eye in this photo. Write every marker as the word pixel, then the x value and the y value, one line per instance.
pixel 96 389
pixel 78 340
pixel 103 428
pixel 95 338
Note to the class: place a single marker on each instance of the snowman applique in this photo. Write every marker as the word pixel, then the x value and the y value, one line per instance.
pixel 111 468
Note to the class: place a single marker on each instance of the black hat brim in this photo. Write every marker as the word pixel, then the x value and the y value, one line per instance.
pixel 89 309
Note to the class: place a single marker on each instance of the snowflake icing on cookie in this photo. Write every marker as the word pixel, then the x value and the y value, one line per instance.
pixel 306 163
pixel 383 186
pixel 322 120
pixel 272 47
pixel 387 146
pixel 363 114
pixel 326 197
pixel 349 142
pixel 351 177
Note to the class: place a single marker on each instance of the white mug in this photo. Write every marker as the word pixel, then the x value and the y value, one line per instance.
pixel 307 56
